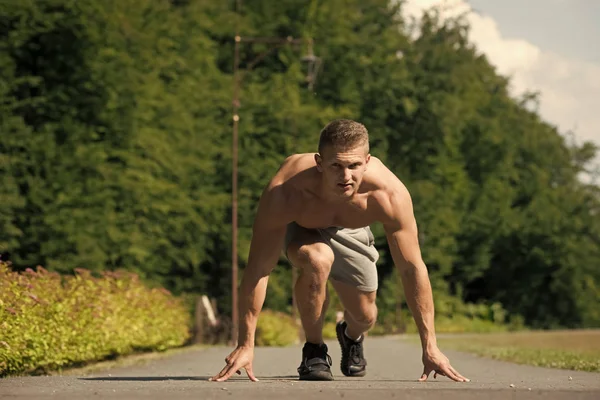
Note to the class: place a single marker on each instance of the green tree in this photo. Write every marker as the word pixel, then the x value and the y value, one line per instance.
pixel 115 147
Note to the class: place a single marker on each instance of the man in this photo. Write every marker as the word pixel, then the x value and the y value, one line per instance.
pixel 318 208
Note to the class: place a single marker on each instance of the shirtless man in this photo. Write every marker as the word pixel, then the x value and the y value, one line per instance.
pixel 318 208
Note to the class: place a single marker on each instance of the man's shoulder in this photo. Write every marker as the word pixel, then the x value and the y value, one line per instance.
pixel 299 159
pixel 383 181
pixel 293 167
pixel 293 174
pixel 280 197
pixel 388 193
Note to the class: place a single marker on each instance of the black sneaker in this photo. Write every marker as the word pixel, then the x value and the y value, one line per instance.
pixel 316 363
pixel 353 360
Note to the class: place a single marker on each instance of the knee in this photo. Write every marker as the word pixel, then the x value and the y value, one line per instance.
pixel 315 260
pixel 367 316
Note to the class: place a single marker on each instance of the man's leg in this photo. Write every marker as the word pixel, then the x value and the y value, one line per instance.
pixel 360 309
pixel 360 314
pixel 314 259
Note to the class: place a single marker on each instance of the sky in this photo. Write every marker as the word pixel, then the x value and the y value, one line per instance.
pixel 548 46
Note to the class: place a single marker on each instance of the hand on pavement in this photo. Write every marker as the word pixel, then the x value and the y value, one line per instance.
pixel 239 358
pixel 435 361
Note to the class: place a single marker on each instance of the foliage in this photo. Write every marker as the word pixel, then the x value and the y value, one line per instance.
pixel 109 132
pixel 276 329
pixel 51 321
pixel 329 330
pixel 452 314
pixel 115 151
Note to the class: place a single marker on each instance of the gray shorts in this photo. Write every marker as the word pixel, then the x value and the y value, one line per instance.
pixel 355 255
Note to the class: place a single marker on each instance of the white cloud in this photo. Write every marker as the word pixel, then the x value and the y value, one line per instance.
pixel 569 88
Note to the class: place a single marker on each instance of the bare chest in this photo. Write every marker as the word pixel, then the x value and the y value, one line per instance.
pixel 315 214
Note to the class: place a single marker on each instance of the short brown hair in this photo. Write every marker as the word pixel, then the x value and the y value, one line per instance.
pixel 344 134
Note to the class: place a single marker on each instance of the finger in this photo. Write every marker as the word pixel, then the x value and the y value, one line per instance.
pixel 221 373
pixel 228 374
pixel 251 374
pixel 455 376
pixel 425 375
pixel 438 372
pixel 459 375
pixel 448 373
pixel 224 374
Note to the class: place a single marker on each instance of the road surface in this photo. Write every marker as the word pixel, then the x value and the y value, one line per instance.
pixel 394 366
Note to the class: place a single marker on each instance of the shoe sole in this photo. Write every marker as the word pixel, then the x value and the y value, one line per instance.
pixel 317 376
pixel 339 334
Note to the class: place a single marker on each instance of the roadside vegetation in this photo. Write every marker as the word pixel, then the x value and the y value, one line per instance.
pixel 567 349
pixel 49 321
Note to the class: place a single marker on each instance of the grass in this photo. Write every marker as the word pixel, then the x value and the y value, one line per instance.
pixel 571 349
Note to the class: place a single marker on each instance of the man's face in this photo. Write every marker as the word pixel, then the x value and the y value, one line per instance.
pixel 343 169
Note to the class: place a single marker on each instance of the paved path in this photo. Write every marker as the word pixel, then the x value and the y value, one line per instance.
pixel 394 367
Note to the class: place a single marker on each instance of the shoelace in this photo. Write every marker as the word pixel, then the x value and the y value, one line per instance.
pixel 355 353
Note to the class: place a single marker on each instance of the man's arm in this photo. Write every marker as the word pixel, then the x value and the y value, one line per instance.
pixel 402 235
pixel 267 241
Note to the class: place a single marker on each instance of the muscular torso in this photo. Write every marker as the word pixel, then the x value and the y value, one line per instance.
pixel 313 213
pixel 308 207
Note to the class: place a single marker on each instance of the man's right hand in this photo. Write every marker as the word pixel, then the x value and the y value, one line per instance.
pixel 240 358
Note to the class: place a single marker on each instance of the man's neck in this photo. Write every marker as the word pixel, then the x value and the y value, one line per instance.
pixel 331 198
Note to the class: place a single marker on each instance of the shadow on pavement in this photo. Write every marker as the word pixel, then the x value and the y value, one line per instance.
pixel 180 378
pixel 232 379
pixel 147 378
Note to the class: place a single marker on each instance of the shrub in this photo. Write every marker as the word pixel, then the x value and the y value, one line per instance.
pixel 329 330
pixel 275 328
pixel 452 313
pixel 458 323
pixel 51 321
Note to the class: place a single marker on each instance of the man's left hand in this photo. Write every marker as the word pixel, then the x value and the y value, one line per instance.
pixel 435 361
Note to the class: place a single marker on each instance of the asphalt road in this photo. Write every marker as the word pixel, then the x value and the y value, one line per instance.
pixel 394 367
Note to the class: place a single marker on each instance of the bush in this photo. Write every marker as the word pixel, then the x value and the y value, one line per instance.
pixel 452 313
pixel 329 330
pixel 276 329
pixel 457 323
pixel 51 321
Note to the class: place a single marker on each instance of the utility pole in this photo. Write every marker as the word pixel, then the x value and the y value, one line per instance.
pixel 313 64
